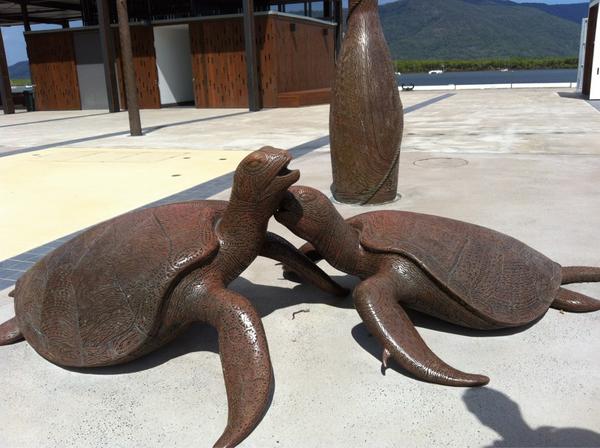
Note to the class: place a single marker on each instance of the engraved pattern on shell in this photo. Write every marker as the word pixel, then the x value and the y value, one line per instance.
pixel 98 299
pixel 489 272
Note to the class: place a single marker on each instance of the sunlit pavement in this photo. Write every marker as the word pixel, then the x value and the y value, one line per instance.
pixel 522 162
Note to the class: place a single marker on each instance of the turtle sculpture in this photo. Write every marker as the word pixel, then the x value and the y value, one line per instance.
pixel 131 284
pixel 462 273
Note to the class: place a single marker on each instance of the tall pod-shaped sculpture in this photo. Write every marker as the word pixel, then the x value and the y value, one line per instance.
pixel 366 118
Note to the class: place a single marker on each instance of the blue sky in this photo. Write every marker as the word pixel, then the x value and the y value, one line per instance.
pixel 15 44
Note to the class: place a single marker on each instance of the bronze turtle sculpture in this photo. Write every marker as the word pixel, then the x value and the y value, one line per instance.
pixel 133 283
pixel 459 272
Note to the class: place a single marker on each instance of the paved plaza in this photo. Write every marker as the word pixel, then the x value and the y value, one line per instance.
pixel 523 162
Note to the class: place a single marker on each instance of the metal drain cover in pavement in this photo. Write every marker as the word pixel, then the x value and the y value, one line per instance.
pixel 441 162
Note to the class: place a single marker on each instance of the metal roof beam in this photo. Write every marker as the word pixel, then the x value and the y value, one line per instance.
pixel 12 18
pixel 63 6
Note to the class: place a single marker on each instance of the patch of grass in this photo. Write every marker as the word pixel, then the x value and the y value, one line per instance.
pixel 456 65
pixel 20 82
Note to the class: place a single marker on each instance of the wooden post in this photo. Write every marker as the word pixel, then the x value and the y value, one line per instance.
pixel 339 19
pixel 251 63
pixel 327 9
pixel 25 15
pixel 108 55
pixel 5 91
pixel 133 109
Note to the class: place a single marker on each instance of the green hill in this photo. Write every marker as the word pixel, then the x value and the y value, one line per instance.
pixel 472 29
pixel 20 70
pixel 570 11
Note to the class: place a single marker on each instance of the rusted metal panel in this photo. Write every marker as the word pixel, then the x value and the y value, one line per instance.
pixel 53 70
pixel 305 55
pixel 219 62
pixel 292 56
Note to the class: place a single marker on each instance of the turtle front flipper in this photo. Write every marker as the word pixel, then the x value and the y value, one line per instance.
pixel 279 249
pixel 314 256
pixel 375 301
pixel 245 360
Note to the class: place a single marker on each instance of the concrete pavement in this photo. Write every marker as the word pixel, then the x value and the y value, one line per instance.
pixel 522 162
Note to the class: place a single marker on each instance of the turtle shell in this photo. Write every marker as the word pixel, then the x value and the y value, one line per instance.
pixel 99 298
pixel 492 274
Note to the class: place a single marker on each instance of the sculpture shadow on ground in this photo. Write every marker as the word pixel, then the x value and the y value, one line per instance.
pixel 499 413
pixel 425 321
pixel 201 337
pixel 267 299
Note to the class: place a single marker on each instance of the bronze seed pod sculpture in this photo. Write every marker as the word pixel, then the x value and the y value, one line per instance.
pixel 366 117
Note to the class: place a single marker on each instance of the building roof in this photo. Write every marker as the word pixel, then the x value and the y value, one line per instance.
pixel 40 11
pixel 61 11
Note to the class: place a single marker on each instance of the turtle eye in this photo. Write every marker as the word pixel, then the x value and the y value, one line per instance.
pixel 255 164
pixel 308 196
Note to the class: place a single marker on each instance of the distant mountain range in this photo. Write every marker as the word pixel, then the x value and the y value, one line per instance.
pixel 468 29
pixel 572 11
pixel 20 70
pixel 472 29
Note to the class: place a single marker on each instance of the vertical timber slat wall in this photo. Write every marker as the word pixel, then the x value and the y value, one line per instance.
pixel 219 62
pixel 53 71
pixel 305 55
pixel 144 63
pixel 292 56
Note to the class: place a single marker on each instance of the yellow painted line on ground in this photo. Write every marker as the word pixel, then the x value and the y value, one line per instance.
pixel 49 194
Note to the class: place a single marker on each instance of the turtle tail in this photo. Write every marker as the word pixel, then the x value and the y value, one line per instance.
pixel 579 274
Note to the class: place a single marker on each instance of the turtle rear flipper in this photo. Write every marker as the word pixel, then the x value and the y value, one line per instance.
pixel 375 300
pixel 574 302
pixel 9 332
pixel 579 274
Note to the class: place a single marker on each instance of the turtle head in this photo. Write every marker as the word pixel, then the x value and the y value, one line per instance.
pixel 263 177
pixel 306 212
